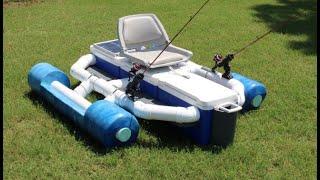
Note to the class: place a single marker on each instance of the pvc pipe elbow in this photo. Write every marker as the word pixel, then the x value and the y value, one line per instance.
pixel 239 88
pixel 86 60
pixel 233 84
pixel 78 69
pixel 187 115
pixel 194 114
pixel 166 113
pixel 139 109
pixel 79 74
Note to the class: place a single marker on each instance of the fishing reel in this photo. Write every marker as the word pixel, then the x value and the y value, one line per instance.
pixel 135 68
pixel 224 62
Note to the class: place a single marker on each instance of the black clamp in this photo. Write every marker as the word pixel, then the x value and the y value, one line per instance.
pixel 133 86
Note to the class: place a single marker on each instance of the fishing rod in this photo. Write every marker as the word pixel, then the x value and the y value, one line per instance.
pixel 225 61
pixel 132 86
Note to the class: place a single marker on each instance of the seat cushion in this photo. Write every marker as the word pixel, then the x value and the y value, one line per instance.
pixel 140 29
pixel 146 57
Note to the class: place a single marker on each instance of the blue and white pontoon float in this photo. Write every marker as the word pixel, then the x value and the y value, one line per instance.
pixel 202 104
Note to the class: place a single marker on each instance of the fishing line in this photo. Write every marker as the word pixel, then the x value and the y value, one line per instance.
pixel 132 86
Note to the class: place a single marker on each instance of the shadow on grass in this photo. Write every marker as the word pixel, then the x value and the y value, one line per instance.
pixel 305 24
pixel 166 134
pixel 79 134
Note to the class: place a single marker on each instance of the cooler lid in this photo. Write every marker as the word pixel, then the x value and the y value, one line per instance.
pixel 195 90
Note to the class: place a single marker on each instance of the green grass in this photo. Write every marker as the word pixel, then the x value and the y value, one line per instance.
pixel 278 141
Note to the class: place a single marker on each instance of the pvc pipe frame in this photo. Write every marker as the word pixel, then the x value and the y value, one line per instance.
pixel 112 92
pixel 233 84
pixel 82 102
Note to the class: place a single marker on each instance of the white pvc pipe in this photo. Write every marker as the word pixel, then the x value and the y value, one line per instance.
pixel 112 92
pixel 142 110
pixel 103 87
pixel 82 102
pixel 233 84
pixel 84 88
pixel 156 112
pixel 176 114
pixel 119 83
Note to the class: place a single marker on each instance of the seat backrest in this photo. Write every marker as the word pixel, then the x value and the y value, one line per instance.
pixel 139 30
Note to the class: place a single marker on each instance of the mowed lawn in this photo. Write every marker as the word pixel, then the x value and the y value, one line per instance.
pixel 278 141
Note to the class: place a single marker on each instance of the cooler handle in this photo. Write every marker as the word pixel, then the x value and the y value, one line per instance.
pixel 234 107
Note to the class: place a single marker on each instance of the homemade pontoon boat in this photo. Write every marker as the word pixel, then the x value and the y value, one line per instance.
pixel 202 103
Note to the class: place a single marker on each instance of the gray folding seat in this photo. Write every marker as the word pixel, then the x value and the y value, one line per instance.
pixel 143 37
